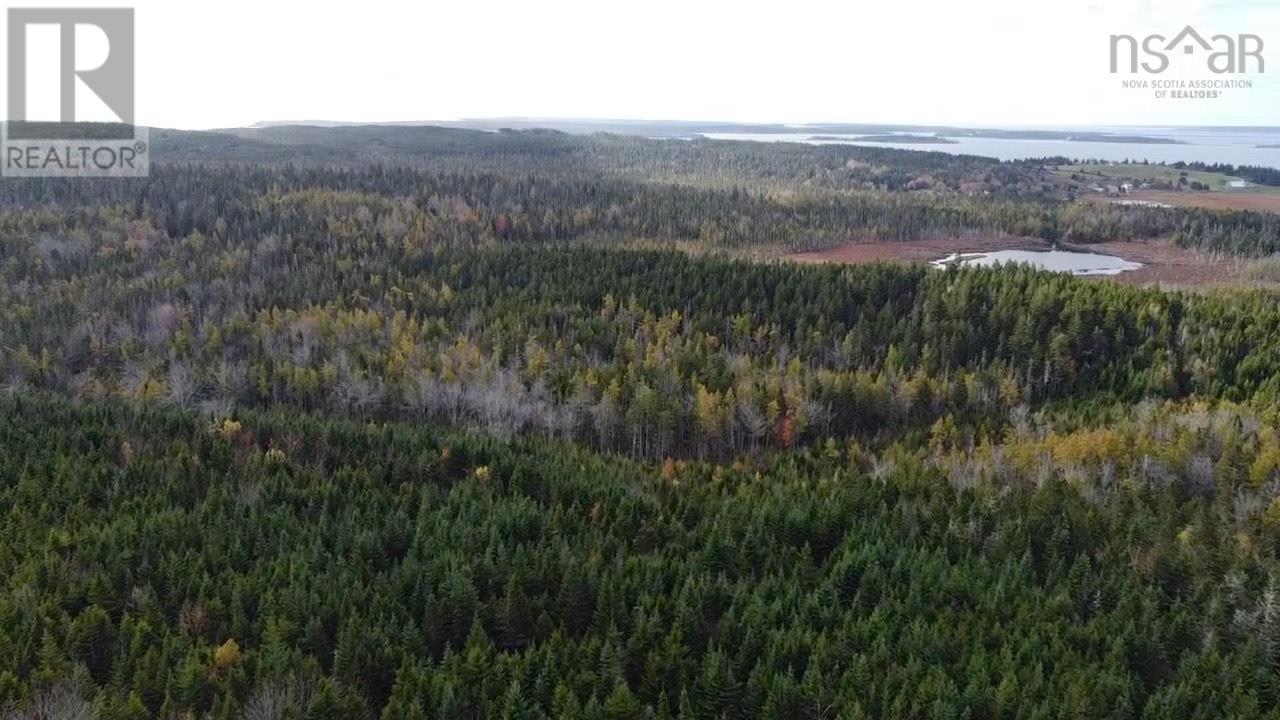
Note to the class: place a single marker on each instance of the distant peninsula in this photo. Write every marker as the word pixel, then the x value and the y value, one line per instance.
pixel 904 139
pixel 830 132
pixel 1061 135
pixel 943 136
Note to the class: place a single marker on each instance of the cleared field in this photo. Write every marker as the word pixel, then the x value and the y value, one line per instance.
pixel 1267 200
pixel 1258 200
pixel 1163 262
pixel 1149 173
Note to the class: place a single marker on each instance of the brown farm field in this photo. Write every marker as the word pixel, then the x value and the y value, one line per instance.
pixel 1163 262
pixel 1257 200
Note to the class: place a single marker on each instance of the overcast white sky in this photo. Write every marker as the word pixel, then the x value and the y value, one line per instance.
pixel 220 63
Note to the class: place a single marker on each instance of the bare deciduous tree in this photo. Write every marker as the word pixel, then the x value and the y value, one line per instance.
pixel 183 386
pixel 62 701
pixel 161 322
pixel 285 697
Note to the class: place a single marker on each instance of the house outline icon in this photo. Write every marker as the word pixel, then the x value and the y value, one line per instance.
pixel 1188 48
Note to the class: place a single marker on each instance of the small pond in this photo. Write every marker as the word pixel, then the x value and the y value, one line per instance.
pixel 1076 263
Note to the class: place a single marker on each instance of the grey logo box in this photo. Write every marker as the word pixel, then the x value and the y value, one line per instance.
pixel 112 81
pixel 67 147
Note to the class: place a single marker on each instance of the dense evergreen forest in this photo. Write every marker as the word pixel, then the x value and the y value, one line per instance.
pixel 421 423
pixel 282 565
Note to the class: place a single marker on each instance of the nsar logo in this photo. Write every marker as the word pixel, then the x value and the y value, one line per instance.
pixel 1222 54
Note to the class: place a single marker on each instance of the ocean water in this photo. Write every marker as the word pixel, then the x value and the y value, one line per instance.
pixel 1208 145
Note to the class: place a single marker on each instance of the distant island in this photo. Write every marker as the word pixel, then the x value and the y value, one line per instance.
pixel 1269 147
pixel 1134 139
pixel 905 139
